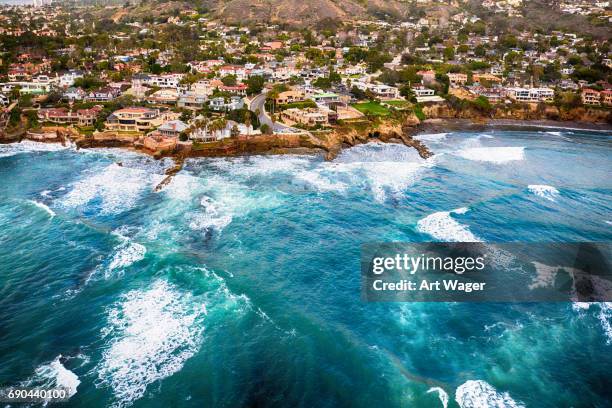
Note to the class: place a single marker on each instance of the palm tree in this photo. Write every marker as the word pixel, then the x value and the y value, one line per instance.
pixel 247 121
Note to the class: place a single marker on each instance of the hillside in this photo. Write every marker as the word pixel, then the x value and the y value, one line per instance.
pixel 301 12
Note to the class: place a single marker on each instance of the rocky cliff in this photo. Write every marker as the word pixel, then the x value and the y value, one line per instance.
pixel 521 112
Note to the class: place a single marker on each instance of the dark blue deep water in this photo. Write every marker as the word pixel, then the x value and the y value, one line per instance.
pixel 239 284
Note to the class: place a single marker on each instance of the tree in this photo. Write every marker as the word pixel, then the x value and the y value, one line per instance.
pixel 229 80
pixel 255 84
pixel 449 53
pixel 323 83
pixel 88 82
pixel 407 93
pixel 234 131
pixel 265 129
pixel 358 93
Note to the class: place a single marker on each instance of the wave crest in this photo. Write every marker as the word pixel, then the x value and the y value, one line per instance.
pixel 480 394
pixel 444 227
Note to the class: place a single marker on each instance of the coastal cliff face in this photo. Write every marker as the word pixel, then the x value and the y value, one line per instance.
pixel 329 143
pixel 526 113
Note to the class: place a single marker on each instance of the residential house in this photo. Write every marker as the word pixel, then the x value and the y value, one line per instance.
pixel 163 81
pixel 289 97
pixel 457 79
pixel 135 119
pixel 191 99
pixel 379 90
pixel 606 97
pixel 205 135
pixel 326 98
pixel 531 95
pixel 420 91
pixel 309 116
pixel 67 80
pixel 61 116
pixel 238 89
pixel 166 96
pixel 74 94
pixel 105 94
pixel 172 128
pixel 220 104
pixel 591 97
pixel 427 76
pixel 494 95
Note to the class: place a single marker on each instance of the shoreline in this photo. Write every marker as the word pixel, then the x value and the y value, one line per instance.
pixel 327 149
pixel 407 138
pixel 446 125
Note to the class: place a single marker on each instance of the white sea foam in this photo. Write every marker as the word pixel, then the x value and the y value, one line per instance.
pixel 388 169
pixel 547 192
pixel 27 146
pixel 54 374
pixel 480 394
pixel 496 155
pixel 226 199
pixel 43 207
pixel 182 187
pixel 151 334
pixel 441 394
pixel 210 218
pixel 262 165
pixel 127 254
pixel 431 137
pixel 604 315
pixel 605 318
pixel 117 187
pixel 320 181
pixel 444 227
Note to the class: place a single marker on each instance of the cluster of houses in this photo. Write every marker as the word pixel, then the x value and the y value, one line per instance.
pixel 168 104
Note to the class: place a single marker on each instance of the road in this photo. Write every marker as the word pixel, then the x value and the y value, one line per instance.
pixel 258 102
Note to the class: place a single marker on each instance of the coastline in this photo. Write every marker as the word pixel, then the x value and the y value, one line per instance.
pixel 445 125
pixel 329 145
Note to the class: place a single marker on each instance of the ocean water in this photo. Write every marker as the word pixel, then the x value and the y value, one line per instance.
pixel 238 284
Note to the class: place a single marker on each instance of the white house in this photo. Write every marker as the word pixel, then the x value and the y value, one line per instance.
pixel 221 105
pixel 531 94
pixel 67 79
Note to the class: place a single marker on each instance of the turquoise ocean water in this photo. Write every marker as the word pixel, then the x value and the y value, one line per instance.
pixel 239 283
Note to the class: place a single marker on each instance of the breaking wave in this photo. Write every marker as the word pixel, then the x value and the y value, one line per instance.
pixel 52 375
pixel 547 192
pixel 43 207
pixel 28 146
pixel 431 137
pixel 116 187
pixel 480 394
pixel 389 169
pixel 441 394
pixel 151 334
pixel 496 155
pixel 444 227
pixel 210 218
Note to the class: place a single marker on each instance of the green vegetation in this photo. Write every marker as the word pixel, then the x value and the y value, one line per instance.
pixel 300 105
pixel 371 108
